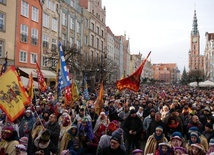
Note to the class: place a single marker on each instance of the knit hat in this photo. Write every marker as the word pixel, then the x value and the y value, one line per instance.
pixel 180 149
pixel 21 147
pixel 165 144
pixel 64 152
pixel 45 136
pixel 211 143
pixel 133 111
pixel 7 132
pixel 152 110
pixel 199 146
pixel 207 109
pixel 194 134
pixel 117 135
pixel 73 126
pixel 136 151
pixel 112 127
pixel 194 128
pixel 209 125
pixel 176 135
pixel 24 141
pixel 159 128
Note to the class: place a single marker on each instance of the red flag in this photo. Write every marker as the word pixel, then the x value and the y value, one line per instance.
pixel 99 101
pixel 67 94
pixel 41 79
pixel 133 81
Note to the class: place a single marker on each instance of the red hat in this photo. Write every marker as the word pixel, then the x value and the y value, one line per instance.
pixel 112 127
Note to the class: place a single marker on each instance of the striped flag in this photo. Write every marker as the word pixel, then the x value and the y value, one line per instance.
pixel 4 65
pixel 64 79
pixel 41 79
pixel 85 92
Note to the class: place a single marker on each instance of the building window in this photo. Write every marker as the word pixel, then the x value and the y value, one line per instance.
pixel 24 33
pixel 78 43
pixel 33 58
pixel 101 45
pixel 45 20
pixel 92 40
pixel 98 30
pixel 64 39
pixel 45 40
pixel 34 36
pixel 53 45
pixel 86 23
pixel 64 19
pixel 2 21
pixel 71 42
pixel 78 27
pixel 92 26
pixel 92 55
pixel 98 43
pixel 102 33
pixel 44 61
pixel 23 56
pixel 54 24
pixel 1 48
pixel 51 5
pixel 24 8
pixel 86 40
pixel 72 23
pixel 72 3
pixel 35 14
pixel 3 1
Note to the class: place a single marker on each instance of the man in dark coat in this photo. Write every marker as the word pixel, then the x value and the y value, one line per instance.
pixel 133 128
pixel 54 129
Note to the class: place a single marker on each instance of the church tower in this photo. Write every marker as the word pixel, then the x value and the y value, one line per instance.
pixel 196 61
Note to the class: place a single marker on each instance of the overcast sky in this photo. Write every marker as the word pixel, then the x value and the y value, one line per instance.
pixel 160 26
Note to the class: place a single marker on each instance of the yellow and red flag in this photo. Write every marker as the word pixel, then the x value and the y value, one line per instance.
pixel 41 79
pixel 13 96
pixel 30 86
pixel 99 102
pixel 133 81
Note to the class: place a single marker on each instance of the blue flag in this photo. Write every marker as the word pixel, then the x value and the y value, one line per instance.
pixel 63 78
pixel 85 92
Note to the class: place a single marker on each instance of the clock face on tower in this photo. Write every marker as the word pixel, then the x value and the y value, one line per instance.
pixel 194 39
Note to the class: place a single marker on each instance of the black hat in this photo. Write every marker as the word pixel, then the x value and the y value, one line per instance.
pixel 133 111
pixel 209 125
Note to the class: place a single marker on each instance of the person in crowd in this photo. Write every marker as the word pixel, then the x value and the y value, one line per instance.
pixel 164 149
pixel 207 116
pixel 164 112
pixel 101 124
pixel 54 129
pixel 177 140
pixel 26 124
pixel 137 152
pixel 202 138
pixel 194 138
pixel 154 140
pixel 147 121
pixel 114 148
pixel 93 115
pixel 69 137
pixel 9 139
pixel 195 122
pixel 81 115
pixel 113 115
pixel 76 149
pixel 133 128
pixel 156 122
pixel 180 151
pixel 172 126
pixel 140 113
pixel 197 149
pixel 211 147
pixel 105 139
pixel 43 145
pixel 208 132
pixel 20 149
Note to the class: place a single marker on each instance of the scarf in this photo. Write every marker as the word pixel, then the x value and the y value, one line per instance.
pixel 173 125
pixel 158 138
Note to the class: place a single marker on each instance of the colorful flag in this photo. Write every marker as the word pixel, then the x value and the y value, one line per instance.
pixel 85 92
pixel 13 95
pixel 68 95
pixel 41 79
pixel 74 91
pixel 4 65
pixel 133 81
pixel 99 102
pixel 30 86
pixel 64 78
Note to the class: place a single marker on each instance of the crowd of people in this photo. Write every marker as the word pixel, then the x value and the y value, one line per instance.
pixel 158 120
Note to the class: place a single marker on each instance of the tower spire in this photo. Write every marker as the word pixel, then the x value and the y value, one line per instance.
pixel 195 25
